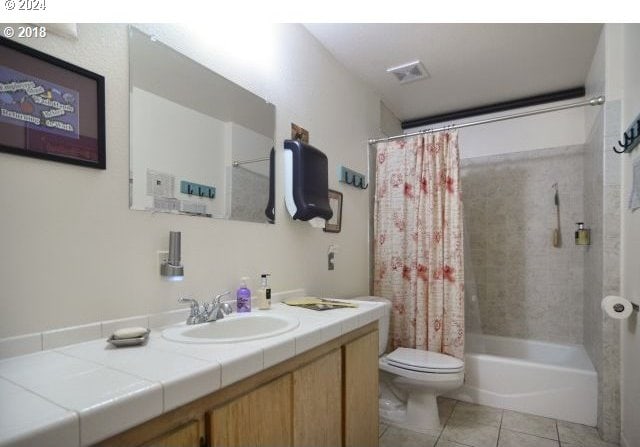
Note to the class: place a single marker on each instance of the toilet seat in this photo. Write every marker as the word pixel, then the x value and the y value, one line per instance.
pixel 424 361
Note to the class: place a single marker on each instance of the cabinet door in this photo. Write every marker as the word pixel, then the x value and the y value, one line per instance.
pixel 361 391
pixel 317 402
pixel 187 435
pixel 260 418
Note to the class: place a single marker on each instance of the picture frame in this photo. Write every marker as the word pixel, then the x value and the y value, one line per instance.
pixel 49 108
pixel 334 225
pixel 299 133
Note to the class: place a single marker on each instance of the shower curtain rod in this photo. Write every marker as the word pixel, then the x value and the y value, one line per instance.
pixel 236 163
pixel 595 101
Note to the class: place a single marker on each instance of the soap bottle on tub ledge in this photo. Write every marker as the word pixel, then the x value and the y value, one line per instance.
pixel 264 293
pixel 243 296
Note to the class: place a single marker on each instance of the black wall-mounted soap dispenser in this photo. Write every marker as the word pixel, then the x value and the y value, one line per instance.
pixel 306 179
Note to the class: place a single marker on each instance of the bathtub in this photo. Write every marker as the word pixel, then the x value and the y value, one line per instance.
pixel 547 379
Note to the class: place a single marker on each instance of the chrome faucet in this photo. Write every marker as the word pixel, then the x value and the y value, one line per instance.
pixel 194 315
pixel 216 310
pixel 208 311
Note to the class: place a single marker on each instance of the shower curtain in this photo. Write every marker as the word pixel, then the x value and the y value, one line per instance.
pixel 418 231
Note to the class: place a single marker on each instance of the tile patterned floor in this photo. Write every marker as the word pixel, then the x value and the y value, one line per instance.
pixel 469 425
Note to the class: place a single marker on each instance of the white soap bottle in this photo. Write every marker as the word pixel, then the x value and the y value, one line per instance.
pixel 264 293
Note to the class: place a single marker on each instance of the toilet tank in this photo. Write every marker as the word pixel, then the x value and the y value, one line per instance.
pixel 383 322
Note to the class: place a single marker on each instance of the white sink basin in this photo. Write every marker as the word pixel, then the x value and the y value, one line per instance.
pixel 233 329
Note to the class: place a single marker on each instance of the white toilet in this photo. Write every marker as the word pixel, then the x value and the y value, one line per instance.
pixel 410 380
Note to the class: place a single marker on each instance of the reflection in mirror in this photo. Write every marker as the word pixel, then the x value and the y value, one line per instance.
pixel 200 144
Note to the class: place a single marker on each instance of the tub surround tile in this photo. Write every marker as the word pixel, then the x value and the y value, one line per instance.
pixel 612 118
pixel 510 438
pixel 612 163
pixel 470 433
pixel 602 174
pixel 530 424
pixel 382 427
pixel 396 437
pixel 29 420
pixel 531 302
pixel 514 192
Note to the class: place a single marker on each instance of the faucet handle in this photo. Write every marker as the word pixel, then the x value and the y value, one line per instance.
pixel 216 300
pixel 226 308
pixel 195 315
pixel 194 303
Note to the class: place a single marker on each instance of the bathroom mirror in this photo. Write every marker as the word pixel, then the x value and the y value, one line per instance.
pixel 199 144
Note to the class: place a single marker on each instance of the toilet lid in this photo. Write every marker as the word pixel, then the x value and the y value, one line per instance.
pixel 425 361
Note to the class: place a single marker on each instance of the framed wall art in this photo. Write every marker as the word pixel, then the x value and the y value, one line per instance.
pixel 50 108
pixel 334 225
pixel 299 133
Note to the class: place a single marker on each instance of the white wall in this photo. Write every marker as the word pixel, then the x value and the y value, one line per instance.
pixel 73 252
pixel 630 390
pixel 191 148
pixel 554 129
pixel 389 123
pixel 249 145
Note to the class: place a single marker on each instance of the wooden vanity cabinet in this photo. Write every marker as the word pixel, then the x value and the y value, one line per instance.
pixel 188 435
pixel 327 396
pixel 317 402
pixel 361 391
pixel 260 417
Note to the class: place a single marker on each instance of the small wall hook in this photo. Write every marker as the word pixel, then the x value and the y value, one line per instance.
pixel 351 177
pixel 631 138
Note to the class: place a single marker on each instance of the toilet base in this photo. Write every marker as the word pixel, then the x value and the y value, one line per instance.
pixel 417 411
pixel 422 410
pixel 408 399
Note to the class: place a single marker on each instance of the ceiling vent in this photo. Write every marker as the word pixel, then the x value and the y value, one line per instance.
pixel 409 72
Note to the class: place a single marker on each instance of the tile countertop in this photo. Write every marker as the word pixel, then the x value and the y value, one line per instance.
pixel 86 392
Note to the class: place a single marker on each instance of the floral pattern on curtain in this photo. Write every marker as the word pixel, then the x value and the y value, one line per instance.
pixel 418 241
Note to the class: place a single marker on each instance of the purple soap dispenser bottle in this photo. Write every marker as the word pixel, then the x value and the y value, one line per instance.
pixel 243 296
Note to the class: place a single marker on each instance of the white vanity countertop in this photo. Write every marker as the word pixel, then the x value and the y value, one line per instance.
pixel 86 392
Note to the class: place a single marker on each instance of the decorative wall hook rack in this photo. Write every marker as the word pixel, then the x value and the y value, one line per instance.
pixel 631 137
pixel 195 189
pixel 351 177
